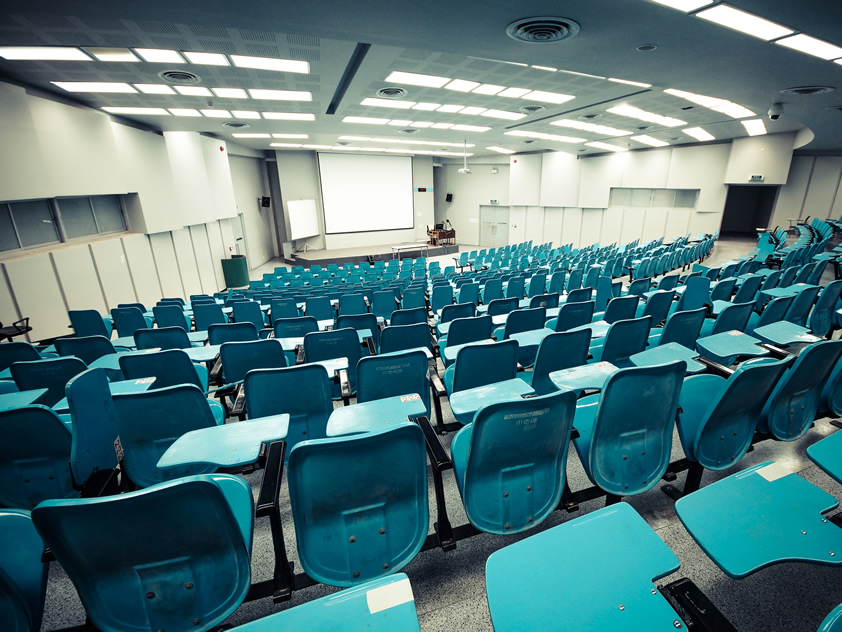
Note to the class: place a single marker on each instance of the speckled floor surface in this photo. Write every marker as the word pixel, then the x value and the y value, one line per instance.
pixel 449 587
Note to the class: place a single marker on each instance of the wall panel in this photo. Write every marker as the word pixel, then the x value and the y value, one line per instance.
pixel 142 267
pixel 167 265
pixel 591 226
pixel 599 174
pixel 678 221
pixel 517 224
pixel 40 300
pixel 654 223
pixel 204 261
pixel 186 262
pixel 571 227
pixel 552 225
pixel 78 278
pixel 217 249
pixel 535 224
pixel 790 202
pixel 612 225
pixel 560 174
pixel 113 272
pixel 525 179
pixel 824 183
pixel 217 164
pixel 647 169
pixel 633 219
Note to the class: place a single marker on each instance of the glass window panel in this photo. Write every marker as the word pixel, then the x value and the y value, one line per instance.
pixel 109 215
pixel 686 198
pixel 620 197
pixel 664 198
pixel 34 222
pixel 77 217
pixel 641 198
pixel 8 241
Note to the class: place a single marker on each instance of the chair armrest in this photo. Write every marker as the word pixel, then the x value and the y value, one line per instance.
pixel 344 383
pixel 272 461
pixel 438 386
pixel 22 325
pixel 438 456
pixel 239 407
pixel 215 376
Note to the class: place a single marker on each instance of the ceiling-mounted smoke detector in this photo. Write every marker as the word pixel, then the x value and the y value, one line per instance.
pixel 408 130
pixel 235 124
pixel 808 91
pixel 588 117
pixel 179 77
pixel 531 109
pixel 542 30
pixel 392 92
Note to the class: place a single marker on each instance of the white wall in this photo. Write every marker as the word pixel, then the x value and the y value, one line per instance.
pixel 249 179
pixel 469 192
pixel 813 189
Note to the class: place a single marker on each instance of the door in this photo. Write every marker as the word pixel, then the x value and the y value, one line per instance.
pixel 494 226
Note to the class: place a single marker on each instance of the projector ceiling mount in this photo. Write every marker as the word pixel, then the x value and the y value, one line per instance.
pixel 465 168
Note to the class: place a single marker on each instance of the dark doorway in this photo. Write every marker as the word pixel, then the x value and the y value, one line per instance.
pixel 747 208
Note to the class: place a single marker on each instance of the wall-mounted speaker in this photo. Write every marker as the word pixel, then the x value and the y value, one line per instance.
pixel 264 202
pixel 448 197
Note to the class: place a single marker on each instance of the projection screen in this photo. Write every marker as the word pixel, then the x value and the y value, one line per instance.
pixel 303 219
pixel 362 193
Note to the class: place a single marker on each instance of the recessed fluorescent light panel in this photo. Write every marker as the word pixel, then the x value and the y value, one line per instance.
pixel 607 146
pixel 548 97
pixel 154 88
pixel 290 136
pixel 194 91
pixel 513 93
pixel 399 123
pixel 251 135
pixel 543 136
pixel 488 89
pixel 684 5
pixel 734 110
pixel 503 114
pixel 427 107
pixel 422 124
pixel 473 109
pixel 230 93
pixel 413 79
pixel 643 115
pixel 387 103
pixel 698 133
pixel 137 111
pixel 470 128
pixel 113 54
pixel 291 145
pixel 744 22
pixel 206 59
pixel 245 114
pixel 281 95
pixel 42 53
pixel 450 109
pixel 592 127
pixel 185 112
pixel 630 83
pixel 402 141
pixel 501 150
pixel 288 116
pixel 461 85
pixel 441 125
pixel 811 46
pixel 648 140
pixel 365 120
pixel 94 86
pixel 754 127
pixel 216 113
pixel 269 63
pixel 160 56
pixel 547 68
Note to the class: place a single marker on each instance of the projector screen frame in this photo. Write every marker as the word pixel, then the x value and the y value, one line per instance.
pixel 365 230
pixel 313 207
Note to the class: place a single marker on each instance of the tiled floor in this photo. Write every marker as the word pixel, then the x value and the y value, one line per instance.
pixel 450 587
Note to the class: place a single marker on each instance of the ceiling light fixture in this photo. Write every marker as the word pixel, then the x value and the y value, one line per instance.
pixel 472 110
pixel 185 112
pixel 650 117
pixel 414 79
pixel 427 107
pixel 230 93
pixel 811 46
pixel 158 55
pixel 95 86
pixel 216 113
pixel 488 89
pixel 387 103
pixel 136 111
pixel 684 5
pixel 365 120
pixel 462 85
pixel 501 150
pixel 503 114
pixel 288 116
pixel 245 114
pixel 270 63
pixel 154 88
pixel 290 136
pixel 744 22
pixel 450 109
pixel 194 91
pixel 206 59
pixel 609 147
pixel 591 127
pixel 548 97
pixel 113 54
pixel 648 140
pixel 514 93
pixel 466 128
pixel 281 95
pixel 699 134
pixel 543 136
pixel 754 127
pixel 630 83
pixel 251 135
pixel 42 53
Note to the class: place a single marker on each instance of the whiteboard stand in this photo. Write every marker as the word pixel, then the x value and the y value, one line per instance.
pixel 305 247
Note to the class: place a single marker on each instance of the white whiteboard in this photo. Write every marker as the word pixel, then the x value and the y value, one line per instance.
pixel 303 219
pixel 365 193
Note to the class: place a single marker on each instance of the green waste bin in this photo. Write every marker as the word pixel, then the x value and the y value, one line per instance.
pixel 236 271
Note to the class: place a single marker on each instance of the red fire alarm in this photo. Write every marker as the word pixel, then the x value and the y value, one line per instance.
pixel 221 148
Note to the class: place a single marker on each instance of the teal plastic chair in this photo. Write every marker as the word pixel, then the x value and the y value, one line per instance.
pixel 330 345
pixel 732 318
pixel 571 315
pixel 833 621
pixel 491 291
pixel 718 416
pixel 171 315
pixel 189 571
pixel 519 321
pixel 360 322
pixel 89 322
pixel 510 463
pixel 341 519
pixel 480 365
pixel 408 316
pixel 791 408
pixel 23 576
pixel 515 287
pixel 464 330
pixel 458 310
pixel 94 425
pixel 405 337
pixel 696 294
pixel 352 304
pixel 624 339
pixel 207 314
pixel 283 308
pixel 383 304
pixel 128 320
pixel 52 374
pixel 620 308
pixel 500 306
pixel 560 350
pixel 11 352
pixel 801 306
pixel 169 368
pixel 657 306
pixel 546 301
pixel 626 431
pixel 302 392
pixel 148 423
pixel 821 321
pixel 414 298
pixel 249 312
pixel 681 327
pixel 231 332
pixel 403 373
pixel 536 285
pixel 34 452
pixel 163 338
pixel 238 358
pixel 748 290
pixel 350 610
pixel 774 311
pixel 294 328
pixel 86 348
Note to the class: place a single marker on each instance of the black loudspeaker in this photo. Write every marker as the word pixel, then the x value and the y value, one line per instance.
pixel 264 202
pixel 448 197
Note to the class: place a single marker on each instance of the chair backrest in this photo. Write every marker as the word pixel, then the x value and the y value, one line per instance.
pixel 94 426
pixel 140 306
pixel 627 450
pixel 405 337
pixel 788 276
pixel 514 288
pixel 295 327
pixel 52 374
pixel 149 422
pixel 801 305
pixel 23 576
pixel 207 314
pixel 621 308
pixel 413 298
pixel 283 308
pixel 537 284
pixel 89 322
pixel 319 307
pixel 771 280
pixel 334 512
pixel 696 294
pixel 302 392
pixel 638 286
pixel 478 365
pixel 459 310
pixel 128 320
pixel 572 315
pixel 441 296
pixel 625 338
pixel 329 345
pixel 525 320
pixel 383 303
pixel 748 290
pixel 238 358
pixel 733 317
pixel 231 332
pixel 360 322
pixel 471 329
pixel 500 306
pixel 511 461
pixel 791 408
pixel 492 290
pixel 134 583
pixel 171 315
pixel 580 295
pixel 248 312
pixel 352 304
pixel 86 348
pixel 684 327
pixel 544 300
pixel 34 452
pixel 17 352
pixel 723 289
pixel 560 350
pixel 404 373
pixel 774 311
pixel 168 367
pixel 163 338
pixel 717 418
pixel 468 293
pixel 408 316
pixel 821 318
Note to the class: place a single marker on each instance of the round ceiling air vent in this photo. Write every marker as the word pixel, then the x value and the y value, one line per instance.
pixel 542 30
pixel 808 91
pixel 392 92
pixel 646 48
pixel 179 77
pixel 235 124
pixel 408 130
pixel 531 109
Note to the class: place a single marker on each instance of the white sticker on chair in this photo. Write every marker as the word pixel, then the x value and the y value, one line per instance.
pixel 389 596
pixel 773 472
